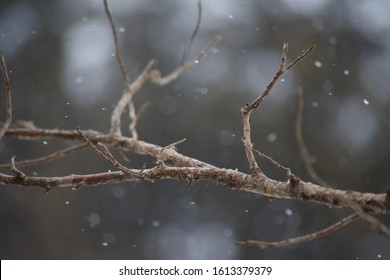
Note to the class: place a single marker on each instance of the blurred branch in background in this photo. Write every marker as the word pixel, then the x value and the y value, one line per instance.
pixel 7 85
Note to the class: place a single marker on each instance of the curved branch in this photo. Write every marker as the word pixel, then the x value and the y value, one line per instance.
pixel 295 240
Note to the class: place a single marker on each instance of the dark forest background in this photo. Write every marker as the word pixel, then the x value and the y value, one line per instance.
pixel 64 74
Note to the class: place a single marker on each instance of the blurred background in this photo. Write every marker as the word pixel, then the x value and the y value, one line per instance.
pixel 60 55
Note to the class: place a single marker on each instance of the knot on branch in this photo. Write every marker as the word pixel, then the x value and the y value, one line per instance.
pixel 293 180
pixel 154 75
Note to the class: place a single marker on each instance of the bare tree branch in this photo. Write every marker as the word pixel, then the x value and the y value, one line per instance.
pixel 300 239
pixel 249 107
pixel 122 67
pixel 154 75
pixel 47 158
pixel 302 145
pixel 135 117
pixel 187 49
pixel 7 85
pixel 19 175
pixel 374 223
pixel 156 78
pixel 173 165
pixel 274 162
pixel 373 203
pixel 130 88
pixel 127 98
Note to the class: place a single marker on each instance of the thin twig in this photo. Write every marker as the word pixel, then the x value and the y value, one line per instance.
pixel 130 90
pixel 110 158
pixel 279 72
pixel 155 75
pixel 302 145
pixel 274 162
pixel 170 146
pixel 374 223
pixel 127 99
pixel 134 117
pixel 92 145
pixel 187 49
pixel 249 107
pixel 7 85
pixel 173 145
pixel 18 174
pixel 118 55
pixel 47 158
pixel 133 120
pixel 103 151
pixel 300 239
pixel 299 58
pixel 246 113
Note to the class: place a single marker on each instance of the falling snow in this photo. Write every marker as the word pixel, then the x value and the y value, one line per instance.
pixel 93 219
pixel 317 64
pixel 271 137
pixel 155 223
pixel 288 211
pixel 79 79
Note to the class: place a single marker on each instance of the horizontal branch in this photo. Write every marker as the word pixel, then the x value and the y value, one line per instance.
pixel 197 170
pixel 121 142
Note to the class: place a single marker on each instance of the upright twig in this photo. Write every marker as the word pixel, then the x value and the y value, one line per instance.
pixel 127 95
pixel 127 98
pixel 249 107
pixel 302 145
pixel 187 49
pixel 7 85
pixel 135 116
pixel 118 55
pixel 148 74
pixel 18 174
